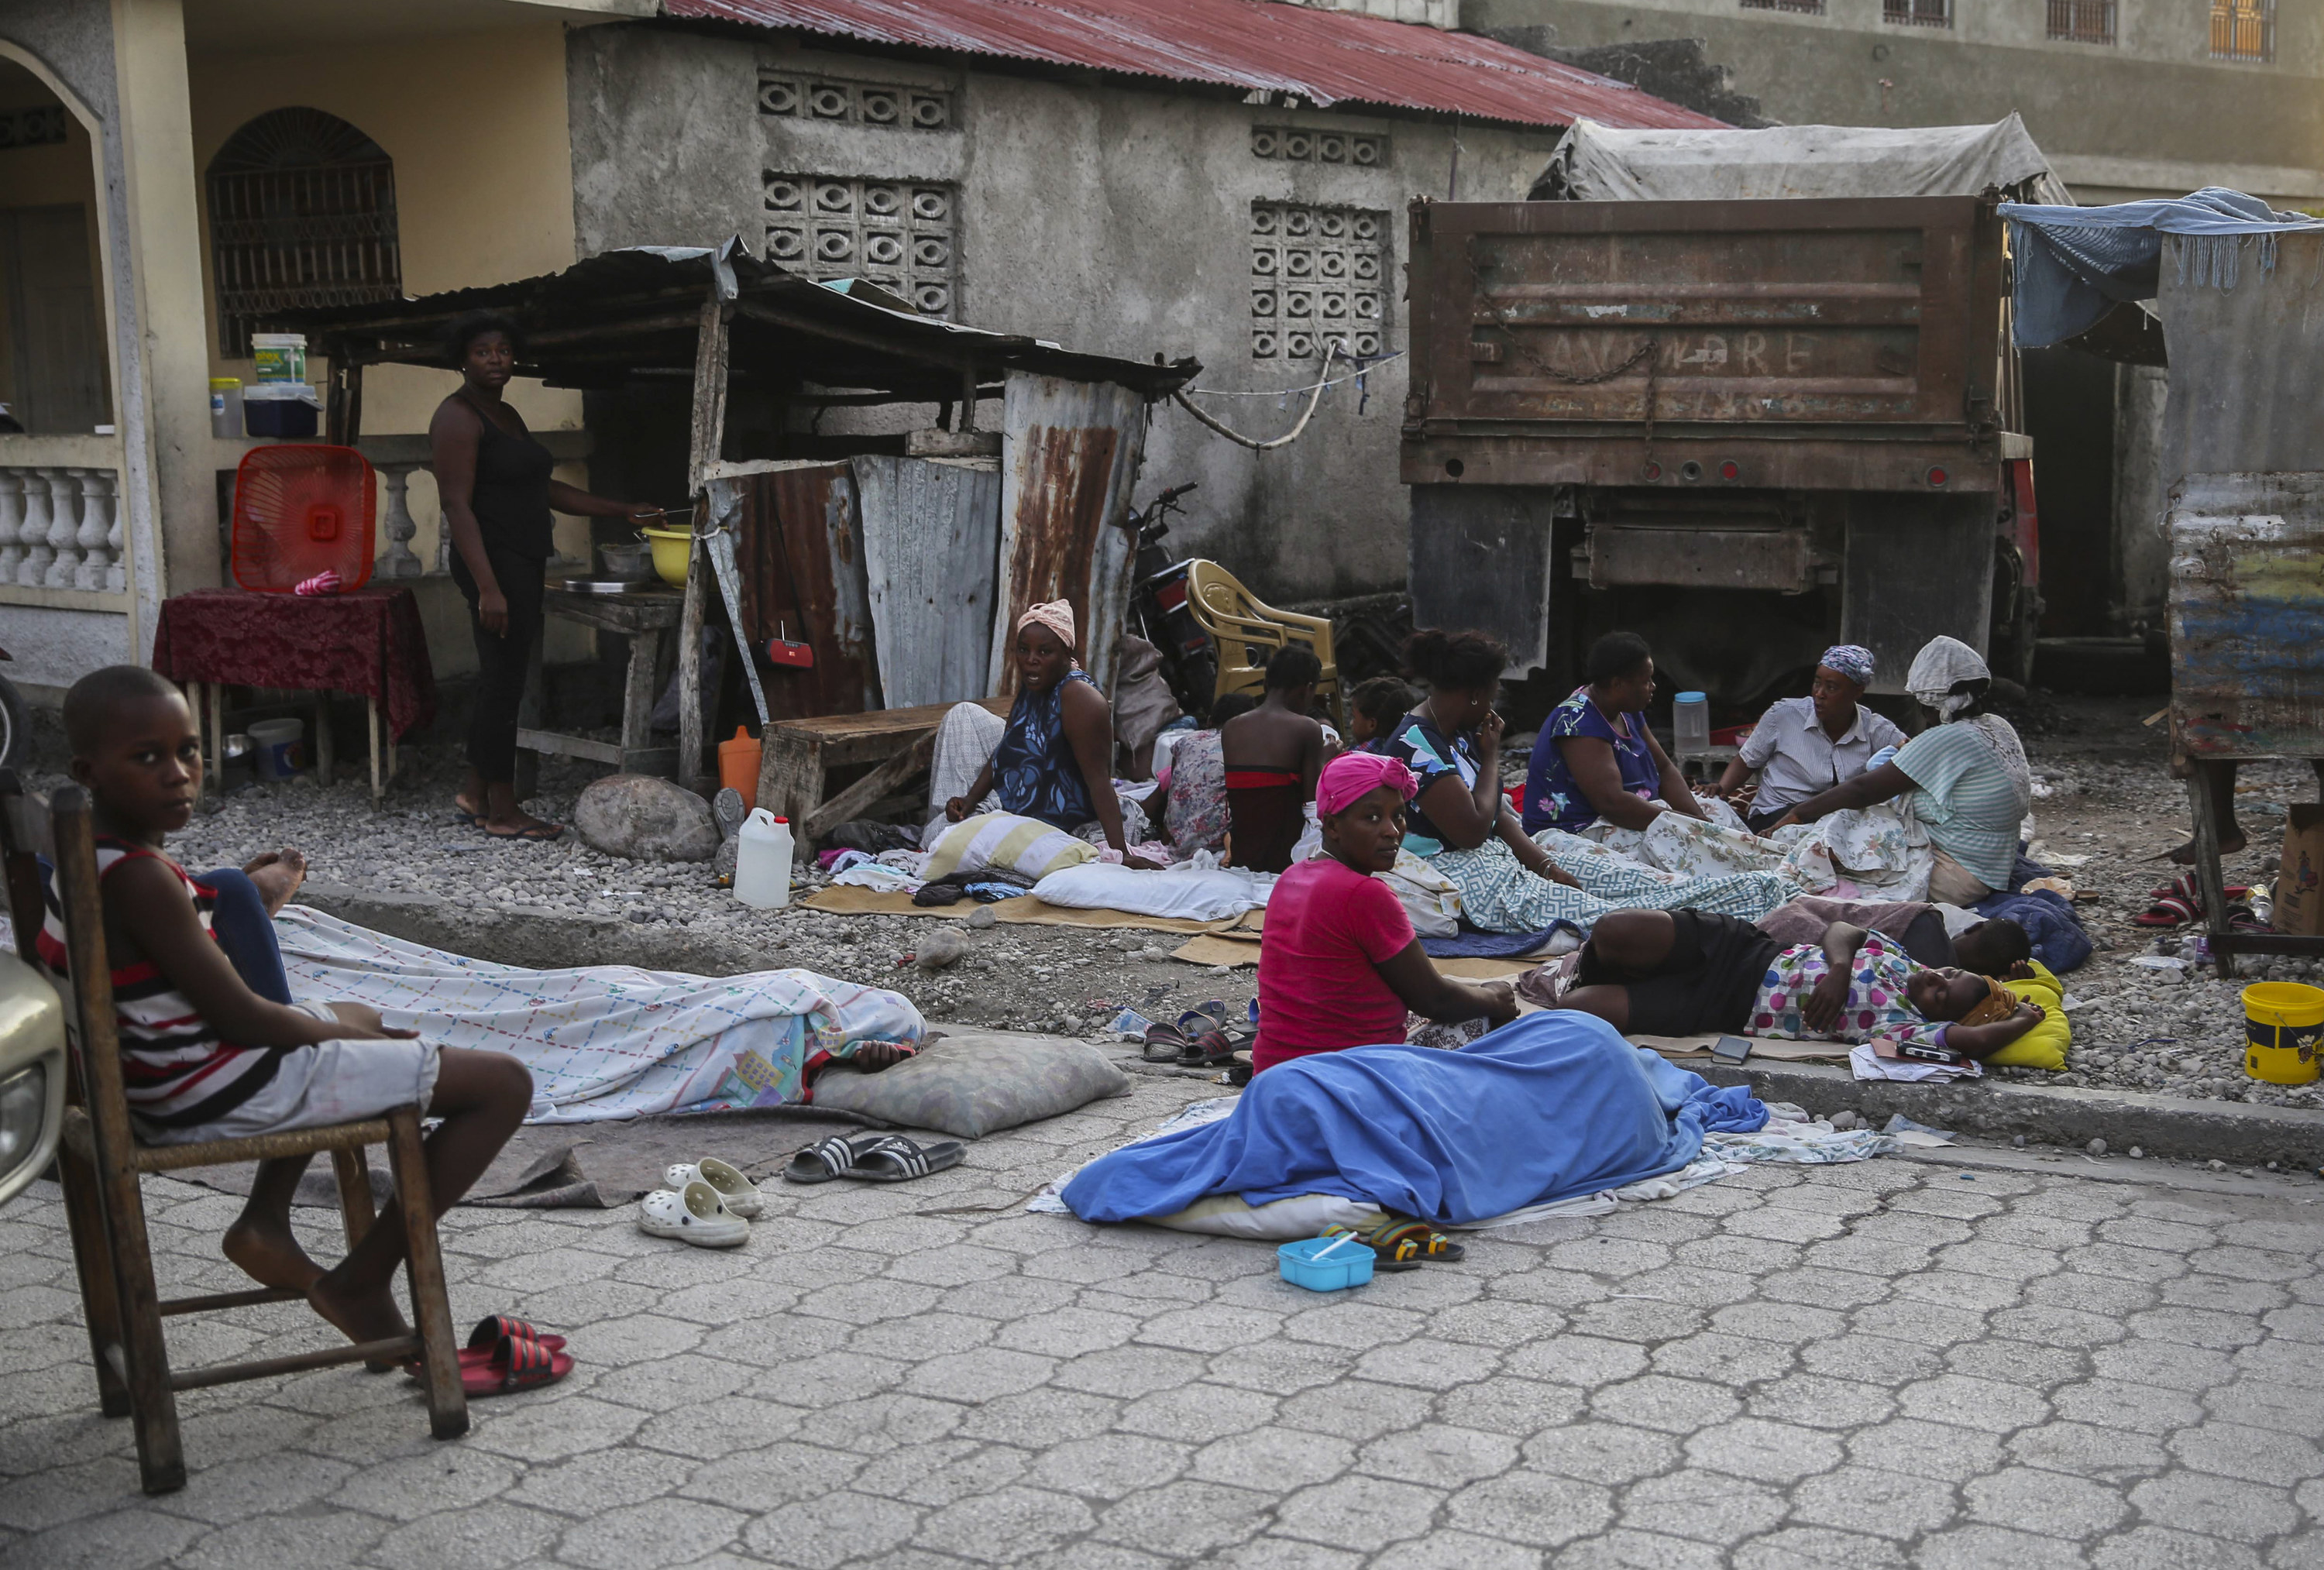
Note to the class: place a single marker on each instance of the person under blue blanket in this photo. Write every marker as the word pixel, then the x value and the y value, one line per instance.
pixel 1551 1106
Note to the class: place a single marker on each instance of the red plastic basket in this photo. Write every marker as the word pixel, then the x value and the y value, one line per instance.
pixel 297 508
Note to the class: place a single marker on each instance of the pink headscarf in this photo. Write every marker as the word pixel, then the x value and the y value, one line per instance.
pixel 1354 773
pixel 1058 616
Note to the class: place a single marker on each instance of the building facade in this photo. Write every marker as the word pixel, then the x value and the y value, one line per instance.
pixel 2129 98
pixel 173 170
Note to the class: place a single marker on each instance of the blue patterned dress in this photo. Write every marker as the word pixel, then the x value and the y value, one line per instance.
pixel 1034 770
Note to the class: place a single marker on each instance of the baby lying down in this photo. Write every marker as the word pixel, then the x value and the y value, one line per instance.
pixel 1681 972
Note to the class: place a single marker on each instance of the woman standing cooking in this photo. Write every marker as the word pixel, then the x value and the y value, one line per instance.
pixel 494 481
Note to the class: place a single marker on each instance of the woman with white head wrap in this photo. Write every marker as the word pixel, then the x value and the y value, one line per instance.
pixel 1805 745
pixel 1965 777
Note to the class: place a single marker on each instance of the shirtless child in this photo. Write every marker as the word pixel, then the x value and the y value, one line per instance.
pixel 204 1056
pixel 1272 756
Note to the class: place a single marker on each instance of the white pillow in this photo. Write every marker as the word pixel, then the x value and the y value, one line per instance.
pixel 1201 897
pixel 1024 846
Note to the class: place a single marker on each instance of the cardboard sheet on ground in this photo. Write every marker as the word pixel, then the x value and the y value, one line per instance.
pixel 845 900
pixel 1767 1048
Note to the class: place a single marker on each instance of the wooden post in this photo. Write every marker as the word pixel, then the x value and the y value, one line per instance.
pixel 144 1365
pixel 215 692
pixel 351 1167
pixel 690 774
pixel 423 1264
pixel 2208 793
pixel 371 719
pixel 709 430
pixel 323 756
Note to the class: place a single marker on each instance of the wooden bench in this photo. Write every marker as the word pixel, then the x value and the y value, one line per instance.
pixel 648 619
pixel 796 758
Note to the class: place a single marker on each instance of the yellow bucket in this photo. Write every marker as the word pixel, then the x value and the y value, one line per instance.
pixel 2282 1020
pixel 670 547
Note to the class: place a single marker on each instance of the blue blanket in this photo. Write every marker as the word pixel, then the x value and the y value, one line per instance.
pixel 1553 1106
pixel 2049 920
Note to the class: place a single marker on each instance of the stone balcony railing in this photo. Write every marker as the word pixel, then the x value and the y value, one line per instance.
pixel 60 528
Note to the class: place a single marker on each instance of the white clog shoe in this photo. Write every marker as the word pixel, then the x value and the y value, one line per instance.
pixel 742 1196
pixel 694 1215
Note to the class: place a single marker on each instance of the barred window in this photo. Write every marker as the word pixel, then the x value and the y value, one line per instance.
pixel 2243 30
pixel 1803 8
pixel 302 213
pixel 2082 21
pixel 1918 13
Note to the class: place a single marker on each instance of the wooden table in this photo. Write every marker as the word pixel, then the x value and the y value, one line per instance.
pixel 647 618
pixel 795 756
pixel 368 641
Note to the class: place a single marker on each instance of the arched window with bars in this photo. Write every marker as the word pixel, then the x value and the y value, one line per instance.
pixel 302 213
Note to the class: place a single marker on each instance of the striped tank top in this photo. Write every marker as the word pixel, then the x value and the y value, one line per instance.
pixel 175 1070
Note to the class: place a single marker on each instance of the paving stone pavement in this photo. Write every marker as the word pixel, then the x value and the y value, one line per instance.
pixel 1879 1364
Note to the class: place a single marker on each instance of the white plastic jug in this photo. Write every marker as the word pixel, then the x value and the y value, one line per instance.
pixel 1691 719
pixel 762 860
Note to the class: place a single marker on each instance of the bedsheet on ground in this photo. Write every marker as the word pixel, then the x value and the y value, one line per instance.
pixel 602 1041
pixel 843 900
pixel 1554 1106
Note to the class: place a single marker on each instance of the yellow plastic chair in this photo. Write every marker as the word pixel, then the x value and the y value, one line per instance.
pixel 1247 631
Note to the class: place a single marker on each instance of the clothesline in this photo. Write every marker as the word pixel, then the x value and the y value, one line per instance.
pixel 1294 392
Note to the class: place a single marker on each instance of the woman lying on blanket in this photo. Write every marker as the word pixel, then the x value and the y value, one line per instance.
pixel 1677 973
pixel 1338 963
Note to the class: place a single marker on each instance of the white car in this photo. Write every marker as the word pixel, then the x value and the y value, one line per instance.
pixel 32 1074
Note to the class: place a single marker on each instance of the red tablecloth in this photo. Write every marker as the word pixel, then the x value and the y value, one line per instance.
pixel 369 642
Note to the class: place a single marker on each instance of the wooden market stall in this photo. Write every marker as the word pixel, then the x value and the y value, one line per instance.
pixel 896 569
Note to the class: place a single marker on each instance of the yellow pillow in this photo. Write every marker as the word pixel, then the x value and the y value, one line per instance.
pixel 2043 1046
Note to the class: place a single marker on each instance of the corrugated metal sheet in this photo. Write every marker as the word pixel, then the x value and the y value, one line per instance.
pixel 1326 57
pixel 1070 454
pixel 800 551
pixel 931 542
pixel 2246 362
pixel 2246 614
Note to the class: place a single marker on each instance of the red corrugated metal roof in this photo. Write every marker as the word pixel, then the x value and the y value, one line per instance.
pixel 1326 57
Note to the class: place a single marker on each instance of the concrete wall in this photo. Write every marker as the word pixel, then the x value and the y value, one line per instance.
pixel 95 57
pixel 2152 114
pixel 476 123
pixel 1109 219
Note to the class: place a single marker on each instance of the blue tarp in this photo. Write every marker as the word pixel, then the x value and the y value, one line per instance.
pixel 1554 1104
pixel 2075 264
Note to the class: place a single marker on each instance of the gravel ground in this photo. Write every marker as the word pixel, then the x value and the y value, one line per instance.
pixel 2110 799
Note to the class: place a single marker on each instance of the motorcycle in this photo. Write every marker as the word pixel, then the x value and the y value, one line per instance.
pixel 16 722
pixel 1189 664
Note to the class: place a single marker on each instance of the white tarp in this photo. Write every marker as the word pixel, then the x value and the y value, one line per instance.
pixel 1596 163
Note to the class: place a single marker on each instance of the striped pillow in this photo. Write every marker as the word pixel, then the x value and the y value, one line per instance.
pixel 1025 846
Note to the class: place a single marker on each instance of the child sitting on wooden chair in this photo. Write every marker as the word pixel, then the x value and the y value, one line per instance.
pixel 204 1056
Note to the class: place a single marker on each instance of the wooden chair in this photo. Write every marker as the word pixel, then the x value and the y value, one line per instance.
pixel 100 1163
pixel 1247 631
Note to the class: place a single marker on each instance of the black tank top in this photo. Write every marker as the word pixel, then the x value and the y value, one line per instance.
pixel 511 499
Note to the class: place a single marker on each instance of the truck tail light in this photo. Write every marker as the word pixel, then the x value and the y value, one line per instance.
pixel 1938 477
pixel 1731 470
pixel 1654 471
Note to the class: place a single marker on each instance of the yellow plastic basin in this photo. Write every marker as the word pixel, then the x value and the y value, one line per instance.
pixel 670 547
pixel 2282 1020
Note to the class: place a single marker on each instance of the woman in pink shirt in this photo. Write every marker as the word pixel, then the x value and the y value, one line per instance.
pixel 1338 964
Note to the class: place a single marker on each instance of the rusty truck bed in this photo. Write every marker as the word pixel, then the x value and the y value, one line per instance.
pixel 1834 345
